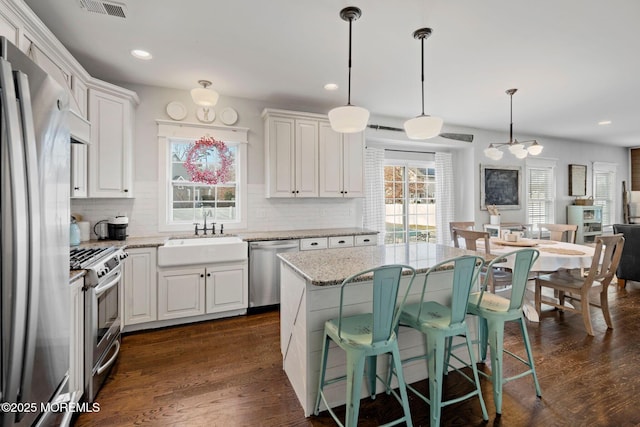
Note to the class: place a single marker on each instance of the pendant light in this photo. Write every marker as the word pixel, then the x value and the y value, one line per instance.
pixel 519 149
pixel 349 118
pixel 204 96
pixel 423 126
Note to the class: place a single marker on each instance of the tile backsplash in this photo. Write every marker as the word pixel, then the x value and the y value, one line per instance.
pixel 263 214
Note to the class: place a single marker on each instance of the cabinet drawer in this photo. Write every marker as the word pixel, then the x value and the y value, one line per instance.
pixel 367 240
pixel 340 241
pixel 311 244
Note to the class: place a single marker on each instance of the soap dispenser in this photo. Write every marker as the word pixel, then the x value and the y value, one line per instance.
pixel 74 232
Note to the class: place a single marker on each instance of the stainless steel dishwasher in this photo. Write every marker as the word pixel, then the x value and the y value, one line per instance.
pixel 264 271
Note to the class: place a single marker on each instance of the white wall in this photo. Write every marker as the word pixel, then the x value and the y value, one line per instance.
pixel 280 214
pixel 263 214
pixel 565 152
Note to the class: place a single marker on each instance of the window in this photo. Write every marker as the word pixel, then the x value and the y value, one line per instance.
pixel 540 191
pixel 410 205
pixel 188 200
pixel 183 202
pixel 604 178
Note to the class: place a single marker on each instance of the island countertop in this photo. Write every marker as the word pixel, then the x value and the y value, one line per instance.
pixel 329 267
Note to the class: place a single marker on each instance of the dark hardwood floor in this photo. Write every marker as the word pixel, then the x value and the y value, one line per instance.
pixel 229 373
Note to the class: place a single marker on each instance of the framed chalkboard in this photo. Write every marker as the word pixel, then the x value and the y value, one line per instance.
pixel 500 186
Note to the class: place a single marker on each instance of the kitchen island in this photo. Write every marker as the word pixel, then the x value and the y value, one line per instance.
pixel 310 295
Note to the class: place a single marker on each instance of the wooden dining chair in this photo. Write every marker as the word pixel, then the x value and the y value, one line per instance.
pixel 570 284
pixel 557 232
pixel 462 225
pixel 499 277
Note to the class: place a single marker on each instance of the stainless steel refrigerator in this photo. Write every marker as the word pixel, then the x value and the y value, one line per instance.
pixel 34 193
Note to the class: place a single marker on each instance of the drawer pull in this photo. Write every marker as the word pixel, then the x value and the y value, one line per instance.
pixel 342 242
pixel 366 240
pixel 314 244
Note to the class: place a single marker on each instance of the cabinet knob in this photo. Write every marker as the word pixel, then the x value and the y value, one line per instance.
pixel 126 191
pixel 76 188
pixel 208 274
pixel 202 275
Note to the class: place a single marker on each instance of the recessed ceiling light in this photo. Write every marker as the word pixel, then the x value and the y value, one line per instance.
pixel 604 122
pixel 141 54
pixel 331 86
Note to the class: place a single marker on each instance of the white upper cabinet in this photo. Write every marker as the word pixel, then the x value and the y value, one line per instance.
pixel 9 25
pixel 78 170
pixel 341 163
pixel 110 152
pixel 291 154
pixel 306 158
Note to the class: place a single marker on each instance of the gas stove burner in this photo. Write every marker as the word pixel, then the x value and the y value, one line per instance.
pixel 82 258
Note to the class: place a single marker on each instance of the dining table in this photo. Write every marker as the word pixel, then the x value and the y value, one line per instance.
pixel 554 256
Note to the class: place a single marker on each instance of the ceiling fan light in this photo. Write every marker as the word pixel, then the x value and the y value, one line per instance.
pixel 204 96
pixel 348 119
pixel 535 148
pixel 423 127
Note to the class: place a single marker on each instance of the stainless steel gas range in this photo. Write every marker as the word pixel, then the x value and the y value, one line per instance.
pixel 102 316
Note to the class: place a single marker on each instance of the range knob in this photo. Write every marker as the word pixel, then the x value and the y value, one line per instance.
pixel 124 255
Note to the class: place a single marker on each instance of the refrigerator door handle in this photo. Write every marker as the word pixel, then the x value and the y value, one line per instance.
pixel 18 235
pixel 33 218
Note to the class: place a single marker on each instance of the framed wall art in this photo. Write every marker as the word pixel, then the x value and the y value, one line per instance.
pixel 500 186
pixel 577 180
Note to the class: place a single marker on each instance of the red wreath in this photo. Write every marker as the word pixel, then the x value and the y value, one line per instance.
pixel 208 175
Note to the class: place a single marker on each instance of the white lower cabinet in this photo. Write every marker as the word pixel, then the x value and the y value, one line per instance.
pixel 195 291
pixel 181 293
pixel 76 351
pixel 227 288
pixel 140 286
pixel 366 240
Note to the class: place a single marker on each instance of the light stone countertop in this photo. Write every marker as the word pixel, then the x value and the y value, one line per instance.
pixel 159 240
pixel 329 267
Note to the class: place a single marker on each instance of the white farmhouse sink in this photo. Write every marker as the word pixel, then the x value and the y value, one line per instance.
pixel 177 252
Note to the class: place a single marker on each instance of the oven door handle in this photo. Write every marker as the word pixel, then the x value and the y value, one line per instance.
pixel 109 362
pixel 100 289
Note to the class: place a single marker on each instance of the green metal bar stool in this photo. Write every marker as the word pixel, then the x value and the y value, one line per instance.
pixel 440 324
pixel 494 311
pixel 365 336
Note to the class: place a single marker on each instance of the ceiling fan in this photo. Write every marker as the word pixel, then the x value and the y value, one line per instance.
pixel 457 136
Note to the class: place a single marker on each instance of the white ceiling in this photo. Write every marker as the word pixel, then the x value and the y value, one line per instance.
pixel 574 62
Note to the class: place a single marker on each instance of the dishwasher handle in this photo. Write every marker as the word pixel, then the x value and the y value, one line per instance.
pixel 270 245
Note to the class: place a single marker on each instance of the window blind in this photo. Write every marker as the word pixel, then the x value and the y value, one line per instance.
pixel 604 194
pixel 540 192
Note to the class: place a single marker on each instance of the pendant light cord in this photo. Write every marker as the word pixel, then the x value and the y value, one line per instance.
pixel 422 72
pixel 349 86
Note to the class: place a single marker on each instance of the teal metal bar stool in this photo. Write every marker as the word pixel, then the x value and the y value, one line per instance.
pixel 365 336
pixel 495 310
pixel 440 324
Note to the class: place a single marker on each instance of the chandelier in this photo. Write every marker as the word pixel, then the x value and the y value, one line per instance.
pixel 520 149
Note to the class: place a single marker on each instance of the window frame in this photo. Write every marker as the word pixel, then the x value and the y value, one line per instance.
pixel 550 165
pixel 608 205
pixel 168 131
pixel 407 213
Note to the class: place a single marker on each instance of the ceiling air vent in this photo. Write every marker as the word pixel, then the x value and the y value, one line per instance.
pixel 103 8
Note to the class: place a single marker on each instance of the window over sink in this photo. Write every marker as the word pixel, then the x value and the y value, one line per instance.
pixel 182 200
